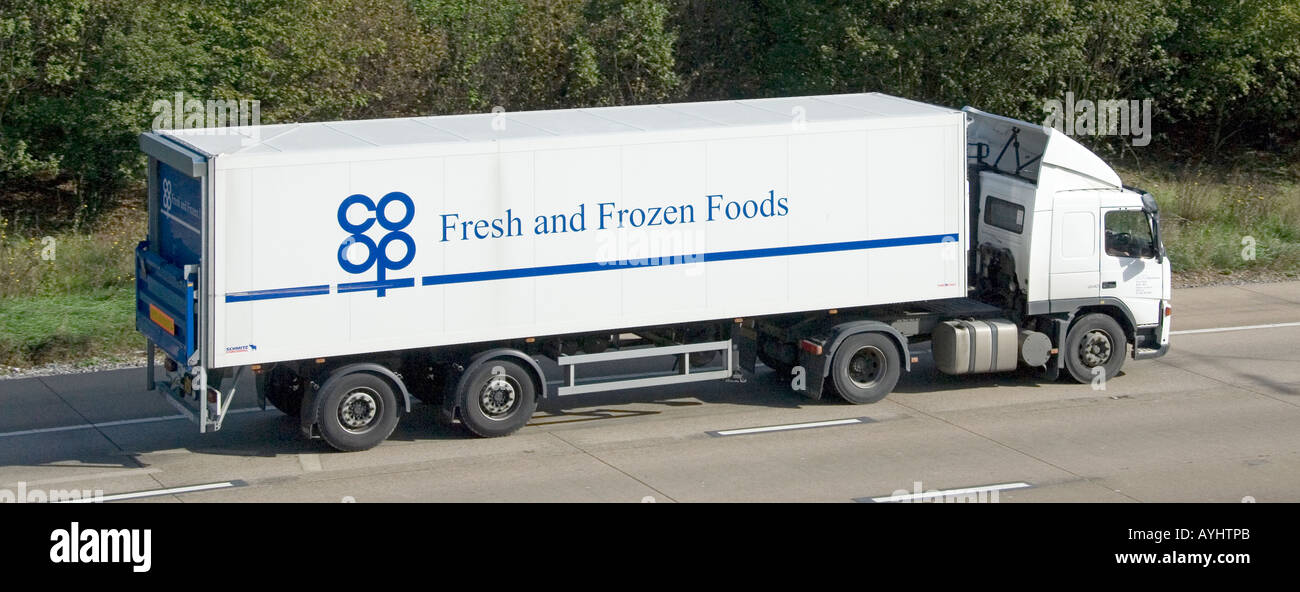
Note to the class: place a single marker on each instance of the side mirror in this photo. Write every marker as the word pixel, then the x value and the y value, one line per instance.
pixel 1149 204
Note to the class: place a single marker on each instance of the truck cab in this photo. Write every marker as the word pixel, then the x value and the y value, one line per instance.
pixel 1058 236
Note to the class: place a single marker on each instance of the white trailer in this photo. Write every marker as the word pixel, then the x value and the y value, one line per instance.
pixel 354 265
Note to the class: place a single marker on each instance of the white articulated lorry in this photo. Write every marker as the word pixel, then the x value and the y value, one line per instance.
pixel 353 266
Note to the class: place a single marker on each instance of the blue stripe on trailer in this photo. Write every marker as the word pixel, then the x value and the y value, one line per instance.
pixel 277 293
pixel 503 274
pixel 571 268
pixel 376 285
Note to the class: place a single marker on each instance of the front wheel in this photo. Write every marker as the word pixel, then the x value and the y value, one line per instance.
pixel 497 398
pixel 865 368
pixel 357 412
pixel 1095 345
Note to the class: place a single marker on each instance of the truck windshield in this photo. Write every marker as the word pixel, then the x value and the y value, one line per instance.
pixel 1128 234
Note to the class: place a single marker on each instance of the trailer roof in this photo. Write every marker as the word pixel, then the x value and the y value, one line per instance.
pixel 483 127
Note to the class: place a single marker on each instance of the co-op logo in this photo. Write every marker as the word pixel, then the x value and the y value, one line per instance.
pixel 359 253
pixel 167 195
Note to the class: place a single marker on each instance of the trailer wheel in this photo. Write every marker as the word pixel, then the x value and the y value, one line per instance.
pixel 1095 341
pixel 358 412
pixel 284 390
pixel 497 399
pixel 865 368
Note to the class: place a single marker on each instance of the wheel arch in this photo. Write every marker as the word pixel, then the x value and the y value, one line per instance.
pixel 846 330
pixel 451 404
pixel 309 407
pixel 818 366
pixel 1118 311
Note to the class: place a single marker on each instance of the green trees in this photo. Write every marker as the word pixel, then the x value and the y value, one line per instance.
pixel 542 54
pixel 1237 67
pixel 1220 74
pixel 78 77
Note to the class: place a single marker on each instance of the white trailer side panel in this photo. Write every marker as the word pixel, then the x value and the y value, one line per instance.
pixel 856 200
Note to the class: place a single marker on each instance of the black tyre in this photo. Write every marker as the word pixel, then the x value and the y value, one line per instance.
pixel 865 368
pixel 284 390
pixel 1095 341
pixel 357 412
pixel 497 398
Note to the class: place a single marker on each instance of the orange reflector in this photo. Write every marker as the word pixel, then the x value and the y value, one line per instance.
pixel 320 360
pixel 161 319
pixel 1053 351
pixel 530 340
pixel 810 347
pixel 915 359
pixel 833 311
pixel 1169 311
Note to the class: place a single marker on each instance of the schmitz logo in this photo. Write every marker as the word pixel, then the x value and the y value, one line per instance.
pixel 376 254
pixel 132 547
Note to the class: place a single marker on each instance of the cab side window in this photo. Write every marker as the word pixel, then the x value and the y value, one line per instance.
pixel 1128 234
pixel 1004 214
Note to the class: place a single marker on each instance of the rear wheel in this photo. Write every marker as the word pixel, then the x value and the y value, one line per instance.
pixel 497 398
pixel 865 368
pixel 1096 344
pixel 357 412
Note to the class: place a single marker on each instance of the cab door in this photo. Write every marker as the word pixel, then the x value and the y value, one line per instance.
pixel 1129 270
pixel 1074 264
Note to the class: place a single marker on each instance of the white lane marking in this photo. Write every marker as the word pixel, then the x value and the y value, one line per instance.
pixel 310 462
pixel 109 424
pixel 155 492
pixel 792 426
pixel 89 477
pixel 950 492
pixel 1241 328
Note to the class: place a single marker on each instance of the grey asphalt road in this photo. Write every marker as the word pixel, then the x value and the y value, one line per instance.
pixel 1218 419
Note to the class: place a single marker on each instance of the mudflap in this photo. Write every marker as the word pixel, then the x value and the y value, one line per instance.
pixel 813 368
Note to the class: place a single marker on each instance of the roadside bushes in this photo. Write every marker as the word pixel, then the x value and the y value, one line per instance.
pixel 78 77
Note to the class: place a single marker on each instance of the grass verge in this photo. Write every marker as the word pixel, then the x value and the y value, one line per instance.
pixel 1226 222
pixel 69 296
pixel 36 330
